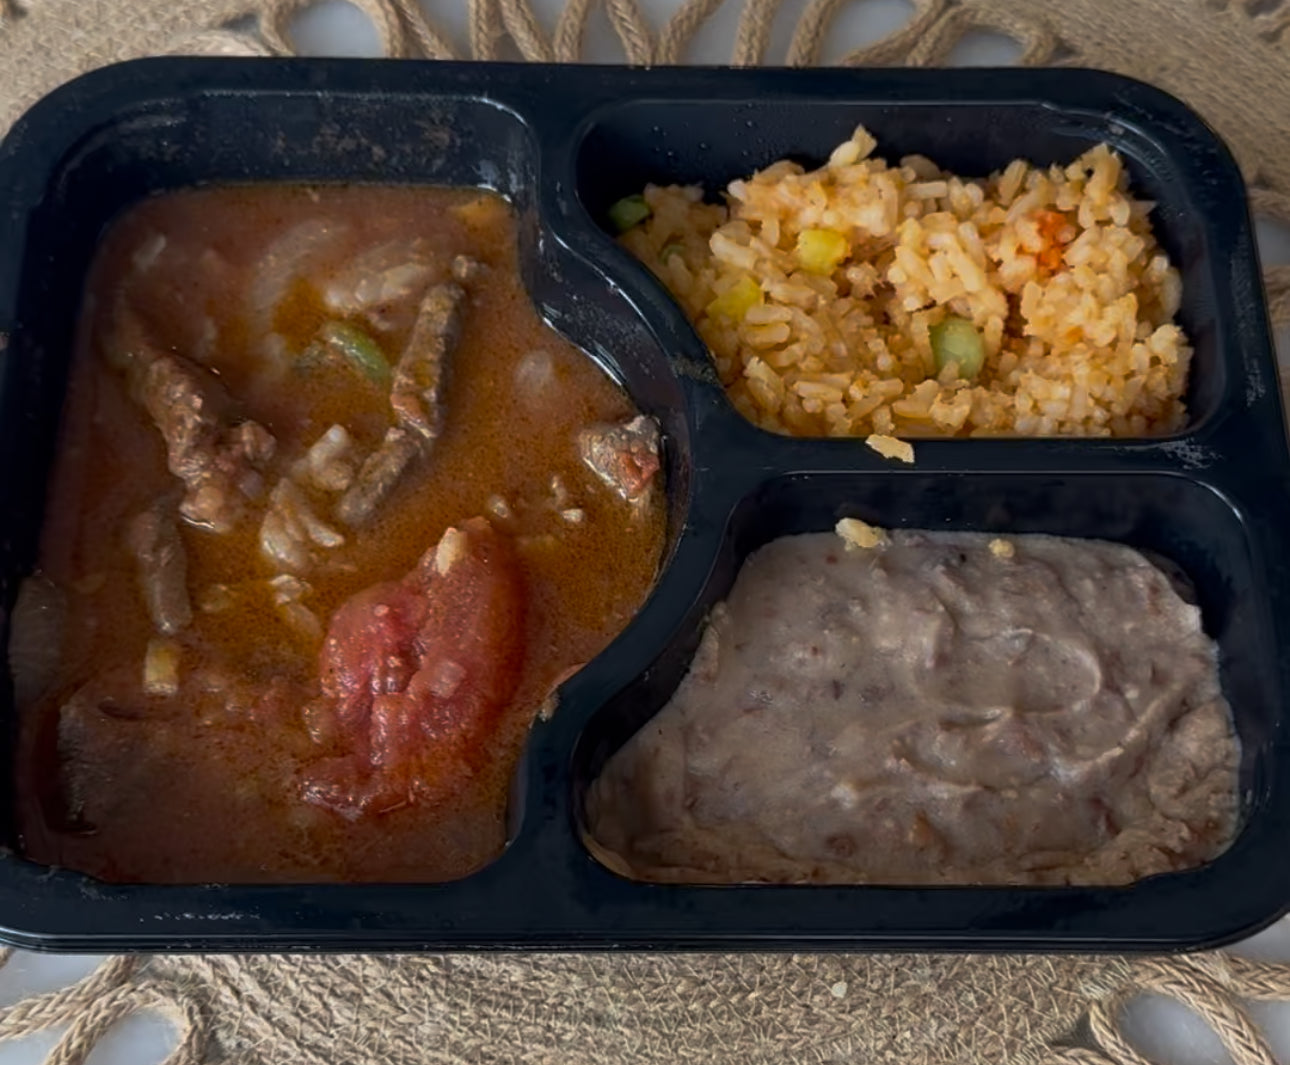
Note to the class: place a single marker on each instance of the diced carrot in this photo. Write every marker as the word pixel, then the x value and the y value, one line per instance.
pixel 1051 224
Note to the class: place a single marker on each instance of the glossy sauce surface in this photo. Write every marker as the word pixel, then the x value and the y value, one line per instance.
pixel 204 785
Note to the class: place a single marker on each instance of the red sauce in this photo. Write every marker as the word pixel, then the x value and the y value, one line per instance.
pixel 206 785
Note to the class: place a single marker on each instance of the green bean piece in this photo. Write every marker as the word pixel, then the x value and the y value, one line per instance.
pixel 357 349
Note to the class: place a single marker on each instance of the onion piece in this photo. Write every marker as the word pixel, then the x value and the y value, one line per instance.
pixel 499 508
pixel 161 668
pixel 290 524
pixel 36 631
pixel 288 589
pixel 383 284
pixel 285 259
pixel 215 599
pixel 326 464
pixel 536 382
pixel 559 493
pixel 146 254
pixel 303 620
pixel 279 542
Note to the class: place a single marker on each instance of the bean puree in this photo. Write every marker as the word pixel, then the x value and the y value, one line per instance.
pixel 935 708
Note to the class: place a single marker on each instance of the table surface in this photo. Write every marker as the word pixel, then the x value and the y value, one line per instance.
pixel 1162 1029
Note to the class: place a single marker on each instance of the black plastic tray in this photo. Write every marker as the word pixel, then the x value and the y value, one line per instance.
pixel 563 143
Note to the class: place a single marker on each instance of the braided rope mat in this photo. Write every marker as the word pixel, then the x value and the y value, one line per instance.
pixel 753 1009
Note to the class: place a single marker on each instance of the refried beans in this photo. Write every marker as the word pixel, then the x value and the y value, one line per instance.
pixel 932 708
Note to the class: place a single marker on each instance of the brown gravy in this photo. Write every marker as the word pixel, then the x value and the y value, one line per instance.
pixel 202 785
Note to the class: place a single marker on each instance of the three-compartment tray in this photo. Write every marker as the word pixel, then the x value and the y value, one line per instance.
pixel 563 143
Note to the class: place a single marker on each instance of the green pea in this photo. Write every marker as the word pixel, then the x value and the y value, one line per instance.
pixel 957 340
pixel 629 211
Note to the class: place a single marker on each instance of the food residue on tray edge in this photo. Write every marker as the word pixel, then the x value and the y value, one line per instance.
pixel 1001 548
pixel 891 448
pixel 858 535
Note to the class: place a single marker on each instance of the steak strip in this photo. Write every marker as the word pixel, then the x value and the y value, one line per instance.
pixel 417 392
pixel 377 476
pixel 416 396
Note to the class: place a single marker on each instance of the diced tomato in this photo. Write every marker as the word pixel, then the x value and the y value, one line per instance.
pixel 369 648
pixel 421 672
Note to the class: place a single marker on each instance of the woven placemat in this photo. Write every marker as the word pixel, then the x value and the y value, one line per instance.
pixel 1231 60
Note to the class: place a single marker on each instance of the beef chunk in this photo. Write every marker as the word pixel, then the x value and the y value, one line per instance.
pixel 625 457
pixel 216 456
pixel 378 475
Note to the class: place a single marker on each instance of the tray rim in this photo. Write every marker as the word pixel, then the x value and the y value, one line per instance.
pixel 234 917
